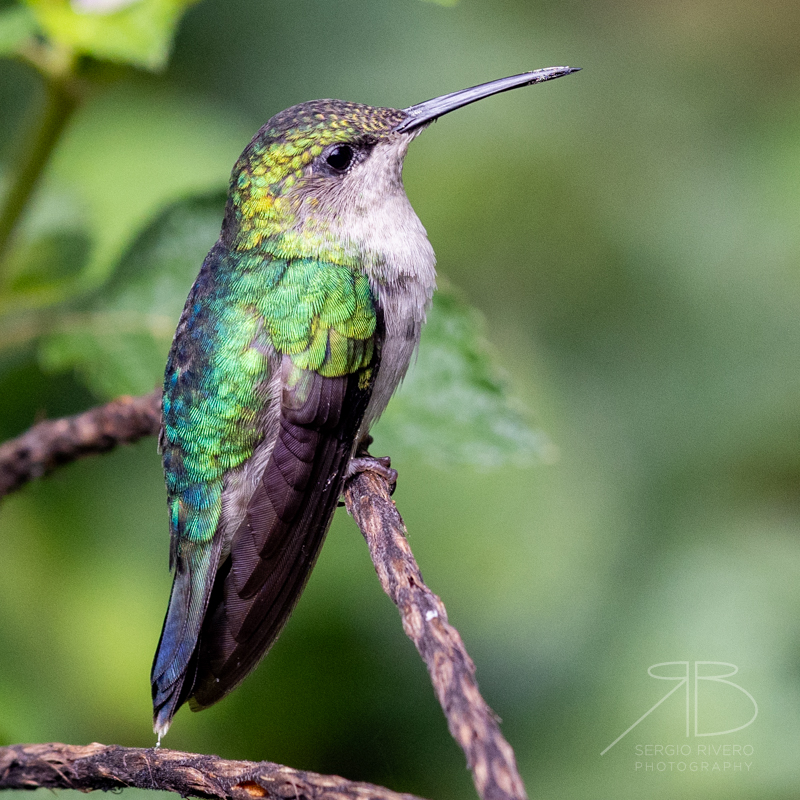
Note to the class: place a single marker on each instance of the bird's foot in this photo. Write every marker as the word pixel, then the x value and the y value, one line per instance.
pixel 381 466
pixel 364 462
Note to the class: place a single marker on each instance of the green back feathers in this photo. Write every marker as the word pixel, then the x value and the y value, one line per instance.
pixel 323 316
pixel 320 314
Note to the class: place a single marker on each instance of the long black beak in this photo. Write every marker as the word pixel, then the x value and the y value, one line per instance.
pixel 423 113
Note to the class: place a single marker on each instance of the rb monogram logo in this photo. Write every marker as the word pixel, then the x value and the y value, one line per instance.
pixel 684 679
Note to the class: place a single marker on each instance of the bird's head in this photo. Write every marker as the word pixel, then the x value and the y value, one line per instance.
pixel 323 178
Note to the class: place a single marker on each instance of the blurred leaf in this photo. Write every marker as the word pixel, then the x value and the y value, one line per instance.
pixel 138 32
pixel 455 406
pixel 442 2
pixel 17 24
pixel 41 270
pixel 136 149
pixel 45 265
pixel 118 340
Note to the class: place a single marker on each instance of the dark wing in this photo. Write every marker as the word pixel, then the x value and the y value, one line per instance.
pixel 276 546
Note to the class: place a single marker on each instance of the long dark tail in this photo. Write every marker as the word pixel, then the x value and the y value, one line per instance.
pixel 173 665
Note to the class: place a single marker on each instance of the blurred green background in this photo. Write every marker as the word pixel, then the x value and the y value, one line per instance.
pixel 630 235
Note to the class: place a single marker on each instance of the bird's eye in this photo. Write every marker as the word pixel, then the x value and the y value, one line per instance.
pixel 340 157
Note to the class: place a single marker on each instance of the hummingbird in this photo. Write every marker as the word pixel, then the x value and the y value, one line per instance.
pixel 299 327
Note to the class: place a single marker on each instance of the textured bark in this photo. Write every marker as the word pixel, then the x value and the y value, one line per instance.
pixel 49 444
pixel 472 723
pixel 106 767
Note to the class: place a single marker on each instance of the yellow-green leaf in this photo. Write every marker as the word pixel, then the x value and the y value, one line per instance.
pixel 17 25
pixel 138 32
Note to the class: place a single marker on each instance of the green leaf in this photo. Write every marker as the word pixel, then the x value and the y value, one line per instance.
pixel 44 266
pixel 46 262
pixel 17 25
pixel 138 32
pixel 118 339
pixel 42 270
pixel 455 406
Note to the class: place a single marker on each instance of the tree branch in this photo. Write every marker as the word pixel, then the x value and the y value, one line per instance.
pixel 52 443
pixel 105 767
pixel 472 723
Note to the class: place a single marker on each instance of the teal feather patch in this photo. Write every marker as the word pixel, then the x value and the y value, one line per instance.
pixel 241 309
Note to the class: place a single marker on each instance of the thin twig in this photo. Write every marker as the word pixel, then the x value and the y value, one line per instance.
pixel 472 723
pixel 49 444
pixel 105 767
pixel 62 100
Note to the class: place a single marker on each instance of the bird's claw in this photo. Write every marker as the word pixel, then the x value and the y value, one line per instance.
pixel 364 462
pixel 381 466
